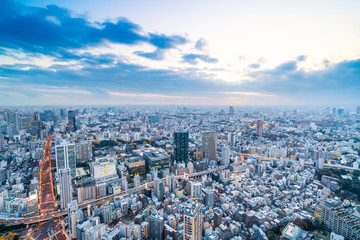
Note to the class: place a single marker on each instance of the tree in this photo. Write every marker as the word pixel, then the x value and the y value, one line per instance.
pixel 310 224
pixel 10 236
pixel 302 224
pixel 271 235
pixel 356 173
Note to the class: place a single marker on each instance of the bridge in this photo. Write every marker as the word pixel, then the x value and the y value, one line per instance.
pixel 46 216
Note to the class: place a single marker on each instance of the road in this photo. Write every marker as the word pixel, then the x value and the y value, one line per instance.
pixel 47 202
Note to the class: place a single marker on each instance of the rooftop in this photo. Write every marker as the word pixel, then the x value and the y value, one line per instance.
pixel 291 231
pixel 192 208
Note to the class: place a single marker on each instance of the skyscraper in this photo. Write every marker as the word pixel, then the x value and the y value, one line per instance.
pixel 83 151
pixel 2 115
pixel 74 216
pixel 320 163
pixel 340 111
pixel 72 121
pixel 124 183
pixel 107 214
pixel 66 157
pixel 231 110
pixel 159 189
pixel 208 147
pixel 231 138
pixel 225 155
pixel 181 146
pixel 86 189
pixel 65 183
pixel 36 126
pixel 209 198
pixel 26 123
pixel 171 182
pixel 156 227
pixel 218 217
pixel 137 180
pixel 193 222
pixel 259 128
pixel 13 123
pixel 195 190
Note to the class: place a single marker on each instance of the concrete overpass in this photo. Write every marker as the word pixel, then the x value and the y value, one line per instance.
pixel 64 212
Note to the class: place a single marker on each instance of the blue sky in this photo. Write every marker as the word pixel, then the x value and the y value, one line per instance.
pixel 180 52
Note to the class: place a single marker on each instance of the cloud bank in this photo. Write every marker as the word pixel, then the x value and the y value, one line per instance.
pixel 52 55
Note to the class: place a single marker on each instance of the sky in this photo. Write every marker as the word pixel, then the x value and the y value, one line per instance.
pixel 204 52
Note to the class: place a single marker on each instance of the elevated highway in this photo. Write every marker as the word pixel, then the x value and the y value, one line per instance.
pixel 46 216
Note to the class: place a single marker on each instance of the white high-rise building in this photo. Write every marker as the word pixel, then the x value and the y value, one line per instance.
pixel 231 138
pixel 190 166
pixel 195 190
pixel 225 155
pixel 321 163
pixel 159 189
pixel 65 155
pixel 171 182
pixel 154 174
pixel 137 136
pixel 65 184
pixel 124 183
pixel 193 222
pixel 136 180
pixel 74 216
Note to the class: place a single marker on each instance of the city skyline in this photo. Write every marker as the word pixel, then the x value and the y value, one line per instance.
pixel 144 172
pixel 162 53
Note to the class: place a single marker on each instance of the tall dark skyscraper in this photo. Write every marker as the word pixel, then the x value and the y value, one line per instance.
pixel 181 147
pixel 36 126
pixel 72 121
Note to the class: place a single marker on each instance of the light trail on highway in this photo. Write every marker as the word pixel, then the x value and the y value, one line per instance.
pixel 47 202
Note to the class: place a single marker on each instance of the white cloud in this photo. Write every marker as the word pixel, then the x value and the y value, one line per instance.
pixel 250 94
pixel 64 91
pixel 151 95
